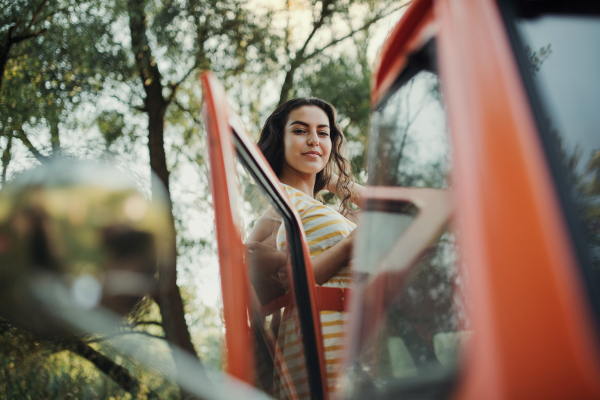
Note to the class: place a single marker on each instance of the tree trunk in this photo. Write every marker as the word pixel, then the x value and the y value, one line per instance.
pixel 6 157
pixel 4 51
pixel 288 84
pixel 23 137
pixel 54 136
pixel 169 299
pixel 5 46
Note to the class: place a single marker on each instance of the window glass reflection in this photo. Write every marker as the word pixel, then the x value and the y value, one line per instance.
pixel 409 138
pixel 423 321
pixel 384 228
pixel 563 61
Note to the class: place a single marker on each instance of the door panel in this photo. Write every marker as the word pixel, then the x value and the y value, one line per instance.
pixel 510 219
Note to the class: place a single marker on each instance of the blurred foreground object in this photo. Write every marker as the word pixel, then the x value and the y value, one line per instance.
pixel 80 246
pixel 78 236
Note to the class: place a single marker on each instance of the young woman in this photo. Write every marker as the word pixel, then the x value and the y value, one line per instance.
pixel 304 145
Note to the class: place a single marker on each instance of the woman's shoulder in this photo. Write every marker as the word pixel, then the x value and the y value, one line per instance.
pixel 311 209
pixel 292 192
pixel 299 199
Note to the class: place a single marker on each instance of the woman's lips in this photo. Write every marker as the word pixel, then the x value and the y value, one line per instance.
pixel 312 154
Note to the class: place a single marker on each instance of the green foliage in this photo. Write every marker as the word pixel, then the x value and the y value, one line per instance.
pixel 226 35
pixel 31 369
pixel 584 180
pixel 49 75
pixel 207 333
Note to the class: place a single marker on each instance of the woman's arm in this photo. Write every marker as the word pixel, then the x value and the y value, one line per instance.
pixel 356 189
pixel 329 262
pixel 264 259
pixel 265 229
pixel 325 265
pixel 261 244
pixel 263 262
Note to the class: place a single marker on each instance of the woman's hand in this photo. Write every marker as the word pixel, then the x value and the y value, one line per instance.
pixel 264 260
pixel 332 184
pixel 357 191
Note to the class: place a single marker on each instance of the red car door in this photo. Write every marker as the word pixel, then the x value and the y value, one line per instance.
pixel 266 315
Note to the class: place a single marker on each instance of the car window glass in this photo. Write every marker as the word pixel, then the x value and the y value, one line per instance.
pixel 409 138
pixel 279 352
pixel 559 53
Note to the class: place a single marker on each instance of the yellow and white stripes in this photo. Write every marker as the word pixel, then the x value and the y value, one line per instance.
pixel 324 227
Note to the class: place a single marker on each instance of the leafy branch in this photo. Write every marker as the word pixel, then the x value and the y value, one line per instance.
pixel 12 37
pixel 300 56
pixel 22 136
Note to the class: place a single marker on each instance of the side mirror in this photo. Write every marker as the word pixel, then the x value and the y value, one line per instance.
pixel 79 247
pixel 78 237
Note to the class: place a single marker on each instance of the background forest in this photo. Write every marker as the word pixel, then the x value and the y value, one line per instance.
pixel 118 80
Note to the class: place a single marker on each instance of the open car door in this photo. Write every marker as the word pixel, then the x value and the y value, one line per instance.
pixel 272 326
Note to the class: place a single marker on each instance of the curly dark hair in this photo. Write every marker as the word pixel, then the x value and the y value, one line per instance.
pixel 272 146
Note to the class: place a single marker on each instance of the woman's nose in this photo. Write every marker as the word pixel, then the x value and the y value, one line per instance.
pixel 312 139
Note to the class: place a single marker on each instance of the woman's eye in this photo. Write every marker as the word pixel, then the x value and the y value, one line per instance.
pixel 323 133
pixel 299 131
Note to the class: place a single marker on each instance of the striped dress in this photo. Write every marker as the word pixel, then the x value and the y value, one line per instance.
pixel 324 227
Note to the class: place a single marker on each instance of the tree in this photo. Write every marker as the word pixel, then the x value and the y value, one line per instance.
pixel 346 84
pixel 46 78
pixel 233 24
pixel 79 55
pixel 323 14
pixel 29 367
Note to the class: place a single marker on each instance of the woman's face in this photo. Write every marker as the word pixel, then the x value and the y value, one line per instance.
pixel 306 139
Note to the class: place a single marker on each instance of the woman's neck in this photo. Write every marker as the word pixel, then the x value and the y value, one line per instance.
pixel 298 180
